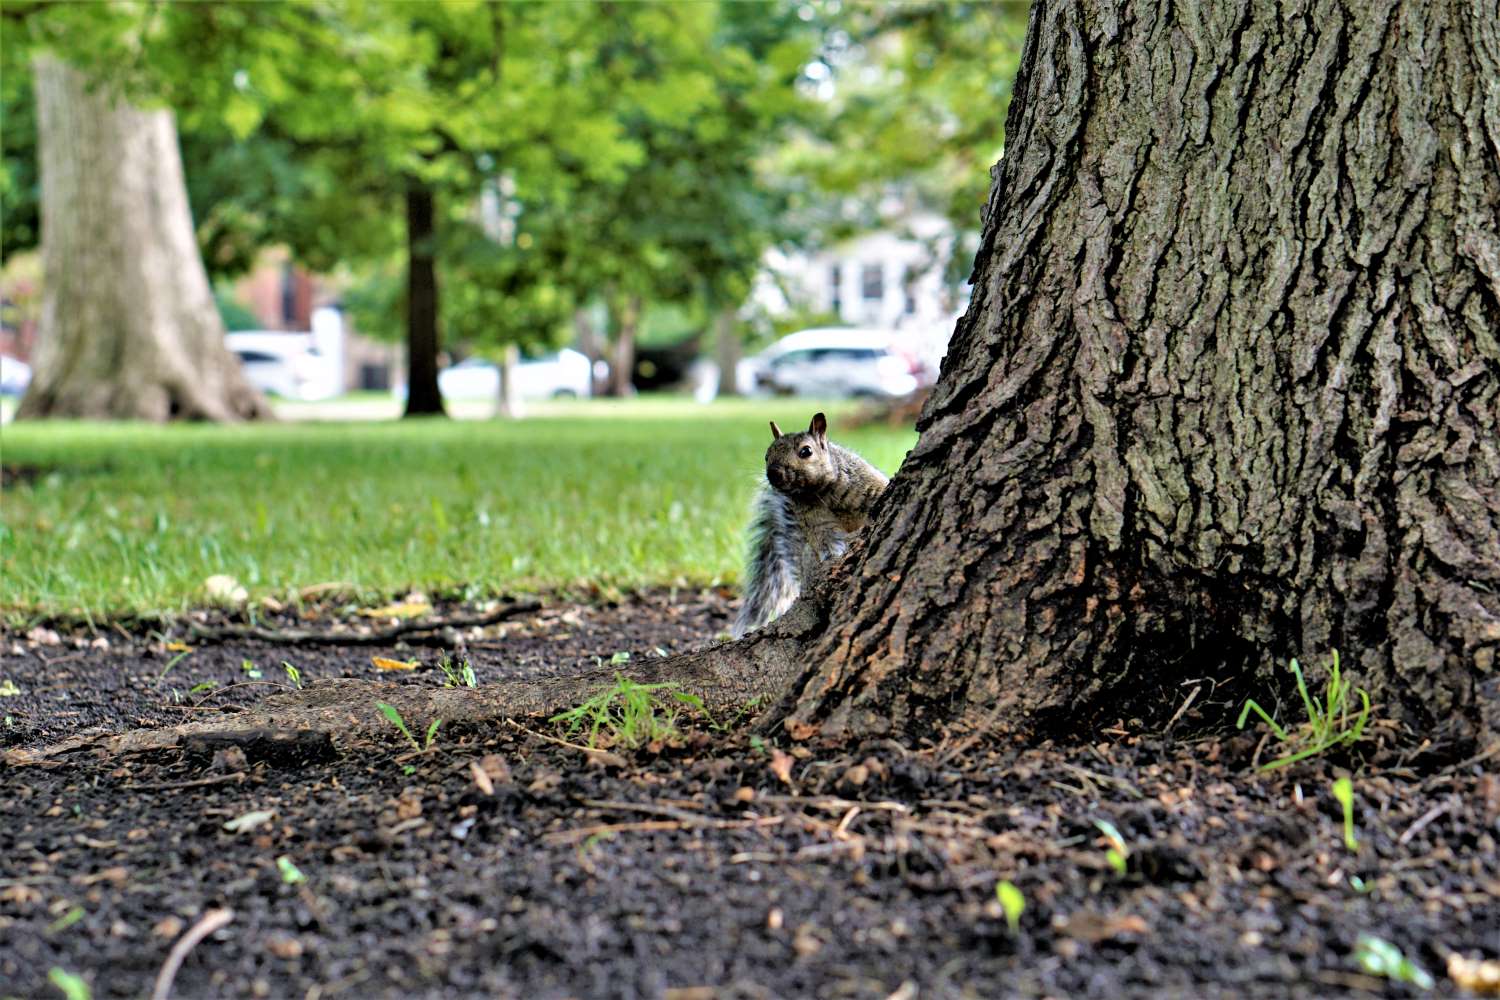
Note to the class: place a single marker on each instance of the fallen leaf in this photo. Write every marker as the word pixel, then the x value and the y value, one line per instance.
pixel 224 589
pixel 385 663
pixel 781 765
pixel 481 780
pixel 402 609
pixel 1481 976
pixel 179 647
pixel 168 927
pixel 249 821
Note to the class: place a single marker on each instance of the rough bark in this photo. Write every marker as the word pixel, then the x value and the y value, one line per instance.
pixel 1226 393
pixel 129 329
pixel 422 340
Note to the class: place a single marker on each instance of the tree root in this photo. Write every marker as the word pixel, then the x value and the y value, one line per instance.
pixel 379 637
pixel 726 676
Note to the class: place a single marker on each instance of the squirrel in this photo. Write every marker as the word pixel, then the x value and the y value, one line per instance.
pixel 814 498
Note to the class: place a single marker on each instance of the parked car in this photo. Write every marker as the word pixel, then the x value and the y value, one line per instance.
pixel 284 364
pixel 566 374
pixel 15 376
pixel 836 362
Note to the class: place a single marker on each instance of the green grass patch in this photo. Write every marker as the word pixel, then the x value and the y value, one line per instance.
pixel 630 715
pixel 114 519
pixel 1332 720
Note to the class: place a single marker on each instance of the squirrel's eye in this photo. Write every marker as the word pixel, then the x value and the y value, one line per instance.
pixel 806 452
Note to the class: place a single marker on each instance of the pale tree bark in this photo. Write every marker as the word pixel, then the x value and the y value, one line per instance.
pixel 1226 393
pixel 625 316
pixel 727 350
pixel 129 329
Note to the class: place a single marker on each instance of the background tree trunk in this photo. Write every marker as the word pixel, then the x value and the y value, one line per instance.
pixel 625 315
pixel 129 329
pixel 422 340
pixel 1226 392
pixel 727 350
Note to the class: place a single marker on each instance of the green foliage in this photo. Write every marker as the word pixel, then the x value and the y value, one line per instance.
pixel 1118 854
pixel 292 674
pixel 457 674
pixel 71 985
pixel 1330 719
pixel 630 714
pixel 1343 791
pixel 290 873
pixel 1381 958
pixel 132 519
pixel 393 715
pixel 1012 903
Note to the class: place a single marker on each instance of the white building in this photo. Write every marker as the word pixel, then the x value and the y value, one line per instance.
pixel 894 278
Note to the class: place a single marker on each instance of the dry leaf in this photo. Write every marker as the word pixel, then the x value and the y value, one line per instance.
pixel 249 821
pixel 1481 976
pixel 385 663
pixel 781 765
pixel 179 647
pixel 224 589
pixel 402 609
pixel 481 780
pixel 168 927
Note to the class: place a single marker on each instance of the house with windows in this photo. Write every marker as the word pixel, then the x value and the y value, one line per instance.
pixel 895 277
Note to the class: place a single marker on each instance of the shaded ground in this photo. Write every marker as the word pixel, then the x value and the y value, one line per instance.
pixel 501 863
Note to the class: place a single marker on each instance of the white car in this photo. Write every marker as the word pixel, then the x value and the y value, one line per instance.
pixel 836 362
pixel 15 376
pixel 284 364
pixel 568 374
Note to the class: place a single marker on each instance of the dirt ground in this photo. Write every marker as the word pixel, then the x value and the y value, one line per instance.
pixel 502 863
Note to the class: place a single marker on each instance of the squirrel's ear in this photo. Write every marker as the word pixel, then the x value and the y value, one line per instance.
pixel 775 431
pixel 819 426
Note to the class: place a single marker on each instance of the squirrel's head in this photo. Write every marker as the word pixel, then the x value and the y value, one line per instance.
pixel 800 463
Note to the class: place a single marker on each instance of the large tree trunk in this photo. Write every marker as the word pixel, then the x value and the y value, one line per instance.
pixel 422 342
pixel 1226 393
pixel 129 329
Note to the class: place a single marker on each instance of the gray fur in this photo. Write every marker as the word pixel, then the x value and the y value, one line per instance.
pixel 807 510
pixel 772 580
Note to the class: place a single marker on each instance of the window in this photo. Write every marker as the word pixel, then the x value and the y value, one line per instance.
pixel 872 283
pixel 836 290
pixel 256 357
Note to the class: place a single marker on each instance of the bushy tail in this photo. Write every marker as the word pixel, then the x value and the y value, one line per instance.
pixel 771 580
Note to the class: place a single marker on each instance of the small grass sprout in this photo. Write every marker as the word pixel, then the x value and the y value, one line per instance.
pixel 250 669
pixel 71 985
pixel 394 715
pixel 1381 958
pixel 290 873
pixel 459 674
pixel 631 714
pixel 1343 791
pixel 1012 903
pixel 292 674
pixel 1331 720
pixel 1118 854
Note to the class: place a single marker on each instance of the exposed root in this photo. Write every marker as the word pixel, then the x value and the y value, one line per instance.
pixel 726 676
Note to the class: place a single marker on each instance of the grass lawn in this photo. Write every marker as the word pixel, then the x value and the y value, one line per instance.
pixel 108 519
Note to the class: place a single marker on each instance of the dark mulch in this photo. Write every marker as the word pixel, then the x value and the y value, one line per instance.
pixel 714 868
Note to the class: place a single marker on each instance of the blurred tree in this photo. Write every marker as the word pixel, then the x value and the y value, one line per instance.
pixel 129 328
pixel 916 95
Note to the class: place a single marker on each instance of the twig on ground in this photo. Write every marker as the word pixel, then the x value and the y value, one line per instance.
pixel 206 925
pixel 691 822
pixel 169 786
pixel 379 637
pixel 560 742
pixel 1421 823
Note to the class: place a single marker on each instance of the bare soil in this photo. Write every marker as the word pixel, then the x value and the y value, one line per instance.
pixel 504 863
